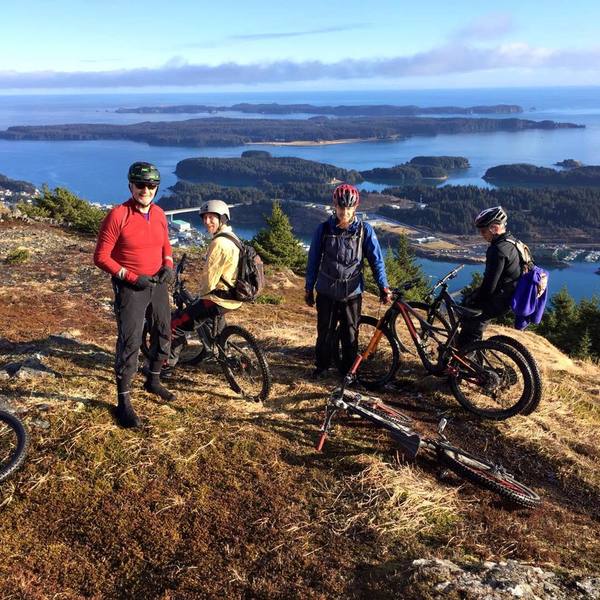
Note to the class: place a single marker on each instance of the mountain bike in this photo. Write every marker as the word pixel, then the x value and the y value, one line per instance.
pixel 14 441
pixel 439 311
pixel 477 470
pixel 488 378
pixel 232 347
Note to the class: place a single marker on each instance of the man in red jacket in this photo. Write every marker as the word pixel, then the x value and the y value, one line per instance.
pixel 133 246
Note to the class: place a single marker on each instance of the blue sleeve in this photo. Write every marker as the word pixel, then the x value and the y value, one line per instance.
pixel 314 258
pixel 372 250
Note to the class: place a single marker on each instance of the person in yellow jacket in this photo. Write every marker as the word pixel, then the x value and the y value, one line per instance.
pixel 218 274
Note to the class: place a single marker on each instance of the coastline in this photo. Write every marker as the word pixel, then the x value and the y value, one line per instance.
pixel 325 142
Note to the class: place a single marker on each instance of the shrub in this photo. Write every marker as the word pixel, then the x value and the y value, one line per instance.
pixel 17 256
pixel 269 299
pixel 67 208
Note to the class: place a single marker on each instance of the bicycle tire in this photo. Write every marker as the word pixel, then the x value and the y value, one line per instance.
pixel 487 475
pixel 428 349
pixel 381 367
pixel 244 364
pixel 484 370
pixel 14 442
pixel 192 353
pixel 538 388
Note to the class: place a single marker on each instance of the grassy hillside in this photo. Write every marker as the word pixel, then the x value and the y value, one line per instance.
pixel 222 498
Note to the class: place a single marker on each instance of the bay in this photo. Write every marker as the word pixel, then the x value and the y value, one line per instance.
pixel 96 170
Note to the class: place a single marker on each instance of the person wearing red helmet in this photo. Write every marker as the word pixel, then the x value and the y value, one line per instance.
pixel 334 269
pixel 133 247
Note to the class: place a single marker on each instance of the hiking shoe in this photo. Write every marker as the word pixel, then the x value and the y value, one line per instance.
pixel 318 374
pixel 154 387
pixel 126 416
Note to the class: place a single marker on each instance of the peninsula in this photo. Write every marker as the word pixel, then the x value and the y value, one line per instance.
pixel 217 131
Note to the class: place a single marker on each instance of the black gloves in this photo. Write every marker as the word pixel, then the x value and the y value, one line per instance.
pixel 144 281
pixel 309 297
pixel 385 295
pixel 166 275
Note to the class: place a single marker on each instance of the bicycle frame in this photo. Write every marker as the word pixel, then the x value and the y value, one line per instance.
pixel 448 352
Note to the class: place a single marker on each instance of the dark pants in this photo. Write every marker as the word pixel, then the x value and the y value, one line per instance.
pixel 330 312
pixel 188 320
pixel 472 329
pixel 130 310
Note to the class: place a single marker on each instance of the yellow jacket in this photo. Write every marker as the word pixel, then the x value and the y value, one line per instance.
pixel 220 260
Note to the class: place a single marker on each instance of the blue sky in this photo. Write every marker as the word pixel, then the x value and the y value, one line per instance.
pixel 310 44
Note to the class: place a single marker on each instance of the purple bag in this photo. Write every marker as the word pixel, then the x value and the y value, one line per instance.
pixel 529 300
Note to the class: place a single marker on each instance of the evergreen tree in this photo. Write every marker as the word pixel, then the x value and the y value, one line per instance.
pixel 66 207
pixel 400 266
pixel 583 349
pixel 564 321
pixel 277 244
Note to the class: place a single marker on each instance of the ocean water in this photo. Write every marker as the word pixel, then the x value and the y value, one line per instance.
pixel 96 170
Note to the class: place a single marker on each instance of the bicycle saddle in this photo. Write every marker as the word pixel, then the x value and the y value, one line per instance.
pixel 464 312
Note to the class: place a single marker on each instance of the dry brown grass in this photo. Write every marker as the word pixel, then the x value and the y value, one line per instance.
pixel 218 497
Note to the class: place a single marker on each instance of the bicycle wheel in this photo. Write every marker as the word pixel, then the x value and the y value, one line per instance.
pixel 538 389
pixel 487 475
pixel 490 379
pixel 244 363
pixel 13 444
pixel 430 338
pixel 381 366
pixel 192 350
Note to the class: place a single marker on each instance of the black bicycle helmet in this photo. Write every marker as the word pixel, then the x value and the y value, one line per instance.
pixel 143 172
pixel 489 216
pixel 346 195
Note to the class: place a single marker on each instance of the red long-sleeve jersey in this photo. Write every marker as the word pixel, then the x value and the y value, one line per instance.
pixel 130 245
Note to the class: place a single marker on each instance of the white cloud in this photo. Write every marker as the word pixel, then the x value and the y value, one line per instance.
pixel 452 58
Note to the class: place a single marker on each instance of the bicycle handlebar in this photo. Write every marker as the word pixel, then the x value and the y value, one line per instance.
pixel 446 278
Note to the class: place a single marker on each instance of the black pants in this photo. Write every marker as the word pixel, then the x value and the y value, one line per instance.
pixel 188 320
pixel 472 329
pixel 130 310
pixel 330 312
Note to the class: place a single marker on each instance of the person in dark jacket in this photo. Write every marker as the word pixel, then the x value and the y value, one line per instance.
pixel 334 269
pixel 502 271
pixel 133 247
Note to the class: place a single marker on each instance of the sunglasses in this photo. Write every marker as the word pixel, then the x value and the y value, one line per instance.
pixel 141 186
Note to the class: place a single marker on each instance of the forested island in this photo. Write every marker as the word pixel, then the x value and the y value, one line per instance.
pixel 567 214
pixel 367 110
pixel 255 167
pixel 525 174
pixel 217 131
pixel 417 169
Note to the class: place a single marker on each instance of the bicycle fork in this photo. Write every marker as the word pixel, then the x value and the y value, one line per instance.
pixel 326 427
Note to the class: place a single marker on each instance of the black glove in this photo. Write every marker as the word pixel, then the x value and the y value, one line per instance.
pixel 166 275
pixel 144 282
pixel 385 295
pixel 309 297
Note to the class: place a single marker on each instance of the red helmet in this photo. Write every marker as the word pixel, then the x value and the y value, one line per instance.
pixel 346 195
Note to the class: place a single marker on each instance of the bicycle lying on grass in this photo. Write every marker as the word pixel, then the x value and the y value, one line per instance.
pixel 234 348
pixel 490 378
pixel 13 444
pixel 477 470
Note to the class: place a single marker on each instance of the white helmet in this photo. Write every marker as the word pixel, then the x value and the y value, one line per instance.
pixel 215 206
